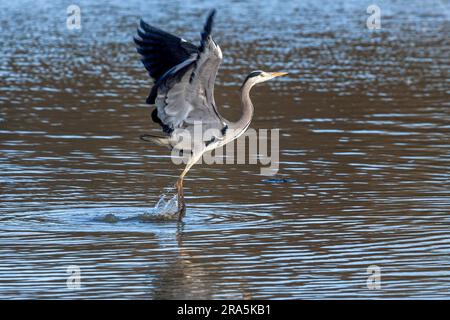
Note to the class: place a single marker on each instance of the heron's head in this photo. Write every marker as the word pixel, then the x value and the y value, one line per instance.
pixel 260 76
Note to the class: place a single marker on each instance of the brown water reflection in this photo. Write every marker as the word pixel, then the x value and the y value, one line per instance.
pixel 364 119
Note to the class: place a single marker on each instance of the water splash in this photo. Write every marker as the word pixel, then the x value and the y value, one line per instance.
pixel 165 209
pixel 167 205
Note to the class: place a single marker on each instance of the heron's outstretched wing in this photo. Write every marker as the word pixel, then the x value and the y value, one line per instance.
pixel 206 67
pixel 184 94
pixel 161 51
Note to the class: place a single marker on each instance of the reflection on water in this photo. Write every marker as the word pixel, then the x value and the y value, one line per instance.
pixel 364 164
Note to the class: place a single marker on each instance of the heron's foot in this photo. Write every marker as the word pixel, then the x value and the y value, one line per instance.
pixel 180 198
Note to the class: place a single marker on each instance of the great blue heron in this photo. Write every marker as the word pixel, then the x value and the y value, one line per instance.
pixel 183 92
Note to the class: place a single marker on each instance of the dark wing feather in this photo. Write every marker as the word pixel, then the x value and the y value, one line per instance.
pixel 183 79
pixel 207 28
pixel 161 51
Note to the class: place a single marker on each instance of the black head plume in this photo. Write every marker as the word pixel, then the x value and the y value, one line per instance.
pixel 251 75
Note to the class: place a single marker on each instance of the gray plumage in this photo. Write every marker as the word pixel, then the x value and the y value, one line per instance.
pixel 182 91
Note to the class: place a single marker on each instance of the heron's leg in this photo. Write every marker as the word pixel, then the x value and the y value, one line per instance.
pixel 179 186
pixel 180 198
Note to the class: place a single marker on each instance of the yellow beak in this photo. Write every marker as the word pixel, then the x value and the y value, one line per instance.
pixel 278 74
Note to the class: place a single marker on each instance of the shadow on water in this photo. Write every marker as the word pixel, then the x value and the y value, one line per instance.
pixel 184 278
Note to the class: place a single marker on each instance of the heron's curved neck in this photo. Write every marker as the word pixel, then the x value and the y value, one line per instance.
pixel 247 107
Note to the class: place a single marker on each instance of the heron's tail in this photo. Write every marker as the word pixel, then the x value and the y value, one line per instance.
pixel 159 140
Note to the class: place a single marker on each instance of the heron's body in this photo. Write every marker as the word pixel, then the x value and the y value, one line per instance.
pixel 183 92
